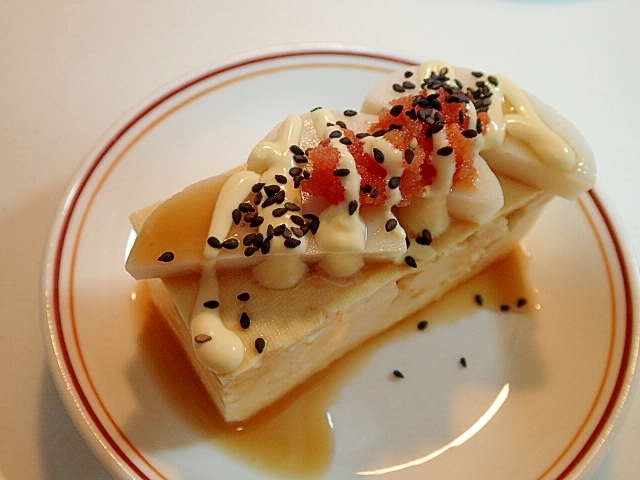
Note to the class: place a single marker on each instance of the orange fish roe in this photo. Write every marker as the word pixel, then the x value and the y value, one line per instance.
pixel 322 182
pixel 372 174
pixel 409 124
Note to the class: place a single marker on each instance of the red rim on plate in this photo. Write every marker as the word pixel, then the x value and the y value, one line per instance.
pixel 74 390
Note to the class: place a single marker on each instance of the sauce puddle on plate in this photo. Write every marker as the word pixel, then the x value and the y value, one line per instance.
pixel 294 436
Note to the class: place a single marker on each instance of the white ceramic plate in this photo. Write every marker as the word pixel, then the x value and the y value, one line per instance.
pixel 543 385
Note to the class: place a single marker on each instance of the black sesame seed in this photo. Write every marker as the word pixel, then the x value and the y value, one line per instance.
pixel 250 251
pixel 395 126
pixel 291 242
pixel 211 304
pixel 435 128
pixel 260 343
pixel 298 232
pixel 295 171
pixel 479 299
pixel 408 74
pixel 281 179
pixel 258 198
pixel 408 85
pixel 278 212
pixel 422 325
pixel 391 224
pixel 341 172
pixel 286 232
pixel 362 135
pixel 463 362
pixel 375 193
pixel 409 260
pixel 202 338
pixel 435 104
pixel 236 215
pixel 378 155
pixel 255 223
pixel 492 80
pixel 335 134
pixel 314 222
pixel 250 217
pixel 257 241
pixel 470 133
pixel 280 197
pixel 257 187
pixel 350 113
pixel 248 239
pixel 292 207
pixel 505 308
pixel 297 219
pixel 396 110
pixel 166 257
pixel 353 207
pixel 346 141
pixel 279 230
pixel 378 133
pixel 521 302
pixel 265 247
pixel 424 238
pixel 424 114
pixel 271 190
pixel 300 159
pixel 244 296
pixel 398 374
pixel 457 98
pixel 394 182
pixel 296 150
pixel 213 242
pixel 245 321
pixel 366 188
pixel 246 207
pixel 268 202
pixel 409 155
pixel 477 74
pixel 411 114
pixel 479 126
pixel 398 88
pixel 230 243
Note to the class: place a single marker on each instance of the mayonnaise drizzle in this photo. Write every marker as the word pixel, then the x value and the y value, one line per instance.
pixel 223 351
pixel 270 159
pixel 339 232
pixel 512 112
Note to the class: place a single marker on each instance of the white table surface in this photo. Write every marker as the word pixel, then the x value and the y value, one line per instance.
pixel 70 70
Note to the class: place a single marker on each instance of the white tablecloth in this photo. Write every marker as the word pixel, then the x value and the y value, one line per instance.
pixel 70 70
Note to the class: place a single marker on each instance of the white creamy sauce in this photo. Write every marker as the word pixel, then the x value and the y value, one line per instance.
pixel 511 111
pixel 218 348
pixel 341 236
pixel 270 159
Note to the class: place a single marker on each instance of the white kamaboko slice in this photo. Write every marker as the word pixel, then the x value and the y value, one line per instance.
pixel 514 158
pixel 479 203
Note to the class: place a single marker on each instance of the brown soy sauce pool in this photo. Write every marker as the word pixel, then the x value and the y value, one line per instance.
pixel 294 435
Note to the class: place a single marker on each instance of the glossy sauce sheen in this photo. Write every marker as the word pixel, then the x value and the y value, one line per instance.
pixel 294 436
